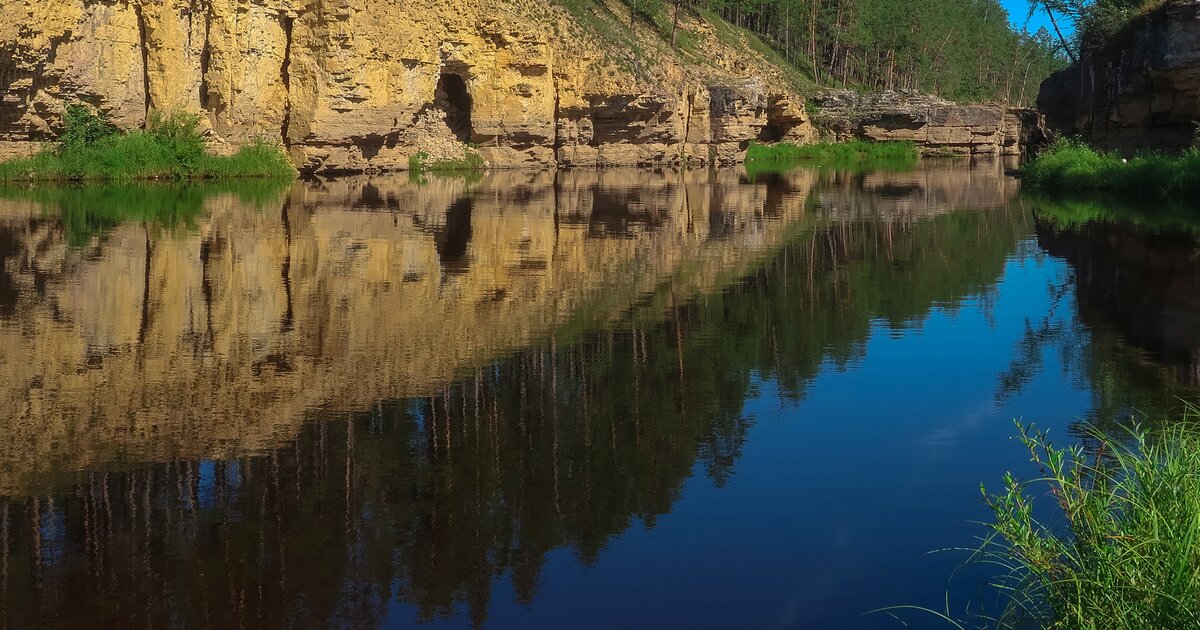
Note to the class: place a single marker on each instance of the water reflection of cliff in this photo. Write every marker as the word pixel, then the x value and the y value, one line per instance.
pixel 1138 294
pixel 337 295
pixel 341 406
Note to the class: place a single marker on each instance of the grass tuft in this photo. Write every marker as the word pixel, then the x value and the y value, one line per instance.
pixel 1123 551
pixel 170 148
pixel 1072 166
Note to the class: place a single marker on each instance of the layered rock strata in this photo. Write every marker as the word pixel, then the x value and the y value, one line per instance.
pixel 357 85
pixel 1142 91
pixel 937 126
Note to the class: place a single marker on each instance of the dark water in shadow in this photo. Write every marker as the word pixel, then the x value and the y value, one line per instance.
pixel 590 399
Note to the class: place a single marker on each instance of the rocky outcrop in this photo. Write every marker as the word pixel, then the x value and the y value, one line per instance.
pixel 358 85
pixel 1142 91
pixel 937 126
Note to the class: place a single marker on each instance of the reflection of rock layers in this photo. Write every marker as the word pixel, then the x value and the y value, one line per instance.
pixel 929 190
pixel 210 343
pixel 442 501
pixel 1146 286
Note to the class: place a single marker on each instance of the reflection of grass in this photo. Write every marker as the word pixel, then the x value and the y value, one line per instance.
pixel 1072 210
pixel 1130 553
pixel 90 210
pixel 855 155
pixel 1073 166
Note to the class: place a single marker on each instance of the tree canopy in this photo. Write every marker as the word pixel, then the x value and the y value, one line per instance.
pixel 960 49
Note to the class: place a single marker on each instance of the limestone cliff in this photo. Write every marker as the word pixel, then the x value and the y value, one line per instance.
pixel 363 85
pixel 1142 91
pixel 937 126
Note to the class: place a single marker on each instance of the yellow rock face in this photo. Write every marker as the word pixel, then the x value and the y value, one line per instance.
pixel 358 85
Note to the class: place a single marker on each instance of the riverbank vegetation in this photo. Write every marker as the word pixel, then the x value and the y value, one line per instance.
pixel 170 148
pixel 853 155
pixel 959 49
pixel 1071 166
pixel 1123 551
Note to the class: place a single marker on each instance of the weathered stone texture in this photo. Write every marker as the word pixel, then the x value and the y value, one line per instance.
pixel 1143 91
pixel 937 126
pixel 357 85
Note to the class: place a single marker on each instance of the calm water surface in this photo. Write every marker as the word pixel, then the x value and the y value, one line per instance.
pixel 591 399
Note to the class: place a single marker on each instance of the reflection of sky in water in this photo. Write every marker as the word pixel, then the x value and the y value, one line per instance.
pixel 836 501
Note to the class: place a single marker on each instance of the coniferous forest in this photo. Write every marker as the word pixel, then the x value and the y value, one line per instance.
pixel 963 50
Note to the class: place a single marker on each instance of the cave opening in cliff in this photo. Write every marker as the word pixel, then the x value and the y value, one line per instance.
pixel 770 133
pixel 454 99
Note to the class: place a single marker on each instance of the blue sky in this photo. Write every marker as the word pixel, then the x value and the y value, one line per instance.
pixel 1019 9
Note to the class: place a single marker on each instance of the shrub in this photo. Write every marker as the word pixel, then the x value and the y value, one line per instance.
pixel 83 127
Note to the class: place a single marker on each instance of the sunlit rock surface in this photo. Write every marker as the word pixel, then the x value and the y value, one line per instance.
pixel 363 86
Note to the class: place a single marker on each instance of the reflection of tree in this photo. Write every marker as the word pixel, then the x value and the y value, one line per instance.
pixel 428 500
pixel 1136 338
pixel 1051 330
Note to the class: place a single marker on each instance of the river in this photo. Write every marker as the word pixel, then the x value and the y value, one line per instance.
pixel 586 399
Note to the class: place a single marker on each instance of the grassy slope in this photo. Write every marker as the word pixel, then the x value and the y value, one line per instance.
pixel 699 33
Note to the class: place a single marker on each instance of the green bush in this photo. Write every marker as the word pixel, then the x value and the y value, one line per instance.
pixel 1123 551
pixel 171 147
pixel 83 128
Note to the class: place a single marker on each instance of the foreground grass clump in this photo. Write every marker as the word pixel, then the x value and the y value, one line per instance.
pixel 856 154
pixel 171 147
pixel 1071 166
pixel 1123 552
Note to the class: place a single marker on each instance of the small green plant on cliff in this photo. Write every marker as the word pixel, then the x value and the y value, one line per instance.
pixel 1123 553
pixel 855 155
pixel 171 147
pixel 1072 166
pixel 471 160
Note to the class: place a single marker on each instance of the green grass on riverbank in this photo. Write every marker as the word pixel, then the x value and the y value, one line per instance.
pixel 170 148
pixel 1071 166
pixel 854 155
pixel 1123 549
